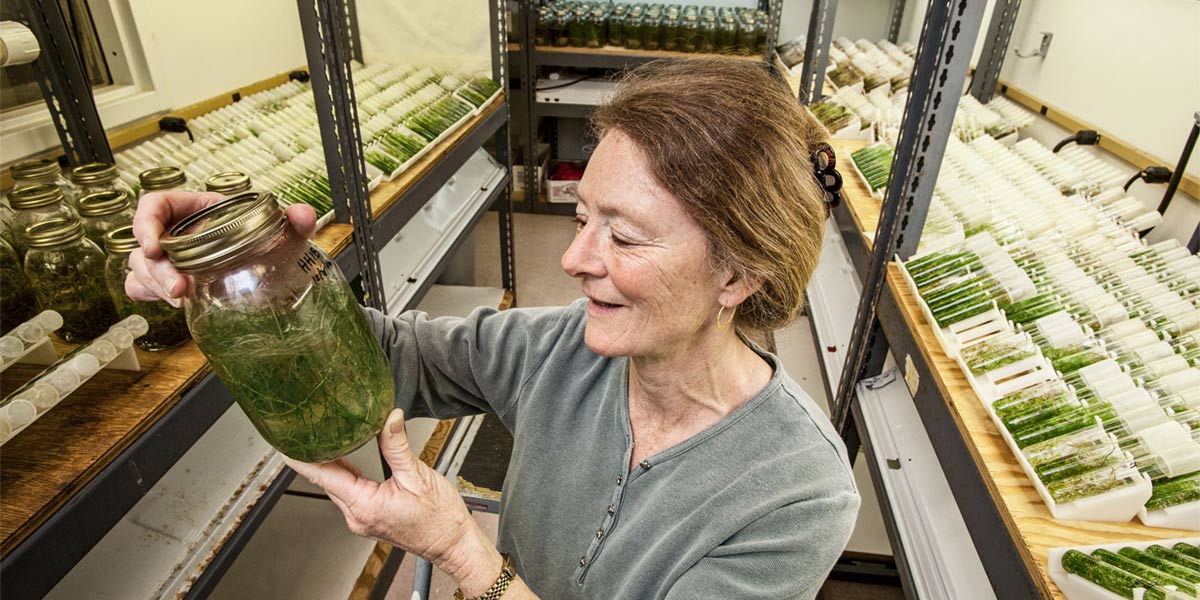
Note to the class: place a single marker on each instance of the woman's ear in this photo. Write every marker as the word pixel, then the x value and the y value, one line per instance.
pixel 737 287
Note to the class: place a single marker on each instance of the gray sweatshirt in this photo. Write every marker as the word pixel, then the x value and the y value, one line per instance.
pixel 760 505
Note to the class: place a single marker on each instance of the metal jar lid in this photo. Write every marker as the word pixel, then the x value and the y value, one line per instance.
pixel 96 172
pixel 228 183
pixel 120 240
pixel 223 231
pixel 103 203
pixel 37 196
pixel 52 232
pixel 161 178
pixel 37 168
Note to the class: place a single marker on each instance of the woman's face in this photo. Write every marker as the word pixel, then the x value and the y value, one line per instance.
pixel 643 262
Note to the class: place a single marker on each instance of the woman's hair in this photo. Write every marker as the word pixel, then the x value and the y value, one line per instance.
pixel 733 146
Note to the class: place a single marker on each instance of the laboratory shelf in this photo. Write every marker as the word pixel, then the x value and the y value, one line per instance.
pixel 68 479
pixel 614 57
pixel 1012 530
pixel 563 110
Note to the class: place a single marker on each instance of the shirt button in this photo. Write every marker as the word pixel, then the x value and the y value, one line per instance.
pixel 582 560
pixel 645 465
pixel 620 478
pixel 599 533
pixel 612 508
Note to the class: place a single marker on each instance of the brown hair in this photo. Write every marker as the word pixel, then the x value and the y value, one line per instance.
pixel 730 143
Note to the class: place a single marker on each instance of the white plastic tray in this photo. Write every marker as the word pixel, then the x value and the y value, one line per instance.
pixel 1075 587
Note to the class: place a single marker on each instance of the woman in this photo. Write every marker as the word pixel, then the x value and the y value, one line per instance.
pixel 657 453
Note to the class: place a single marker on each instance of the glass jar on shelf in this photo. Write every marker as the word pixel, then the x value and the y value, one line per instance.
pixel 66 271
pixel 228 183
pixel 760 32
pixel 651 30
pixel 689 34
pixel 747 38
pixel 559 34
pixel 541 31
pixel 167 324
pixel 102 212
pixel 708 33
pixel 577 27
pixel 164 179
pixel 33 204
pixel 39 171
pixel 281 328
pixel 17 300
pixel 96 177
pixel 633 27
pixel 727 34
pixel 670 30
pixel 595 34
pixel 616 25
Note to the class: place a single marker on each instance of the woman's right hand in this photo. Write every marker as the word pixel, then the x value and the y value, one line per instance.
pixel 152 276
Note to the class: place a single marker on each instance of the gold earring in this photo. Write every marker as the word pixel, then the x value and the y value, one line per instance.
pixel 720 326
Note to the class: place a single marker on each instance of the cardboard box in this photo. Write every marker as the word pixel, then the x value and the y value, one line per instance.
pixel 562 191
pixel 543 156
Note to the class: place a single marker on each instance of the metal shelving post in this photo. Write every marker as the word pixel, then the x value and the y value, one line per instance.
pixel 816 50
pixel 950 29
pixel 327 45
pixel 995 47
pixel 65 85
pixel 498 24
pixel 895 18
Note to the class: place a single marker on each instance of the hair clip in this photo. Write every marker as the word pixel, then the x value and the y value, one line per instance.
pixel 824 162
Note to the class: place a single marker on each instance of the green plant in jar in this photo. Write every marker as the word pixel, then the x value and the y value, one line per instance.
pixel 559 30
pixel 167 324
pixel 102 212
pixel 708 33
pixel 727 33
pixel 651 30
pixel 541 32
pixel 670 30
pixel 33 204
pixel 690 39
pixel 616 25
pixel 17 300
pixel 633 28
pixel 594 34
pixel 747 37
pixel 577 28
pixel 282 329
pixel 67 273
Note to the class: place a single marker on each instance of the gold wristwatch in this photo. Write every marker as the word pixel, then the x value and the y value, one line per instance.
pixel 507 575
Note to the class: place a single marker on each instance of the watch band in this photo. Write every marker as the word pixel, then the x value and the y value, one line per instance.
pixel 507 575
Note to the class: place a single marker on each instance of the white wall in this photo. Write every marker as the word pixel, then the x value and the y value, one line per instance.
pixel 196 50
pixel 1128 67
pixel 855 19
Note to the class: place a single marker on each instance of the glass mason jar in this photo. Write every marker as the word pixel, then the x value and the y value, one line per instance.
pixel 228 183
pixel 164 179
pixel 670 30
pixel 760 32
pixel 689 34
pixel 747 38
pixel 67 273
pixel 282 328
pixel 559 34
pixel 651 30
pixel 616 25
pixel 39 171
pixel 708 34
pixel 727 34
pixel 633 28
pixel 33 204
pixel 102 212
pixel 541 32
pixel 577 27
pixel 167 325
pixel 97 177
pixel 17 300
pixel 596 35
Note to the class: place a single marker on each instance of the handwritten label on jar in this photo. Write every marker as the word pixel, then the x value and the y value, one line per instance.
pixel 316 265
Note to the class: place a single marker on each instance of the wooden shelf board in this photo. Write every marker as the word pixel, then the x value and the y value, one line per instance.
pixel 388 192
pixel 1031 524
pixel 617 51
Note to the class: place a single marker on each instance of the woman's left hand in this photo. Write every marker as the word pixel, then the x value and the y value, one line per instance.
pixel 417 510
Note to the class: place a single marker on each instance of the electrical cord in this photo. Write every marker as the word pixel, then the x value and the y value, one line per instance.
pixel 1084 137
pixel 1153 174
pixel 563 85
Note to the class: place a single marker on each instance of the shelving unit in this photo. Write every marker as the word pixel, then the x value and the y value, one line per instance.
pixel 73 475
pixel 612 58
pixel 1009 523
